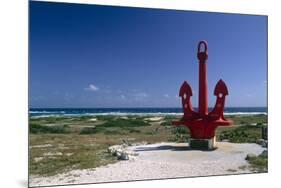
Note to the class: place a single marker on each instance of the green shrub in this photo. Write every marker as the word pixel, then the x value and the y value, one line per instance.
pixel 43 129
pixel 112 132
pixel 88 130
pixel 242 134
pixel 180 130
pixel 259 163
pixel 166 123
pixel 244 120
pixel 148 133
pixel 181 134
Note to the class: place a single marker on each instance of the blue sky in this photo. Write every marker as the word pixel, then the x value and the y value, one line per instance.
pixel 104 56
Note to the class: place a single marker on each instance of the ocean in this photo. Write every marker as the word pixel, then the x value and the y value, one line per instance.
pixel 49 112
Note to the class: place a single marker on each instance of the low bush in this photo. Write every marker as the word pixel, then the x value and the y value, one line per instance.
pixel 43 129
pixel 166 123
pixel 181 134
pixel 88 130
pixel 242 134
pixel 123 123
pixel 259 163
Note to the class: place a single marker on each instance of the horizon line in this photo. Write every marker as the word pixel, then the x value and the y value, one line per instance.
pixel 141 107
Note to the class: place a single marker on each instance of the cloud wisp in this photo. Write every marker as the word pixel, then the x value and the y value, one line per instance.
pixel 92 87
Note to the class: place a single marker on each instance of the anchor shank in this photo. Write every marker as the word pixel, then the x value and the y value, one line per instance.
pixel 203 89
pixel 203 82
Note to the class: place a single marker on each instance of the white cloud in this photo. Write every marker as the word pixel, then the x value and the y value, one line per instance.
pixel 92 87
pixel 166 95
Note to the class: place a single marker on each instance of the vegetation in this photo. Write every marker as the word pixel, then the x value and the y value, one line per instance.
pixel 125 123
pixel 88 130
pixel 241 134
pixel 51 154
pixel 181 134
pixel 40 129
pixel 59 144
pixel 258 163
pixel 248 120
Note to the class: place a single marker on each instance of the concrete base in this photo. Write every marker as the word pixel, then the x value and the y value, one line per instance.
pixel 203 144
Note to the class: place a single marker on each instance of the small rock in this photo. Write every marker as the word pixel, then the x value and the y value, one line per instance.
pixel 113 149
pixel 132 153
pixel 121 153
pixel 122 156
pixel 264 144
pixel 260 141
pixel 250 155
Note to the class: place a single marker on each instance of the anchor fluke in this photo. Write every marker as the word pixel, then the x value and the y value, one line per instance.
pixel 185 89
pixel 185 94
pixel 220 91
pixel 221 88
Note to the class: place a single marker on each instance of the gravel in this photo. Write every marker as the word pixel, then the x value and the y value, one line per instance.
pixel 163 160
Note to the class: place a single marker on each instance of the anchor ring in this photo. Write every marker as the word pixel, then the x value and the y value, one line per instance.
pixel 202 56
pixel 205 46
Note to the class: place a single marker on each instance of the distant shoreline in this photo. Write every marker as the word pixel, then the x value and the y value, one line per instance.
pixel 69 112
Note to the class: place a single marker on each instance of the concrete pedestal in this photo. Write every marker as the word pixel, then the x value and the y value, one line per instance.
pixel 203 144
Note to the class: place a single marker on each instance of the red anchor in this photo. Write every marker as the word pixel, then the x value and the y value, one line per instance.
pixel 202 124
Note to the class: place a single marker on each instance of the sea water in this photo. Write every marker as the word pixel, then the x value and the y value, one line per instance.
pixel 47 112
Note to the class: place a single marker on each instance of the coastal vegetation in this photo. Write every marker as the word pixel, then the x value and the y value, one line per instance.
pixel 60 144
pixel 258 163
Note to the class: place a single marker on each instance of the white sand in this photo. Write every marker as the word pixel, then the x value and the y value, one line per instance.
pixel 154 118
pixel 164 160
pixel 93 119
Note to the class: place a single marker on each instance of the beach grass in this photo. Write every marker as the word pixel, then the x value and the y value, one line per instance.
pixel 60 144
pixel 258 163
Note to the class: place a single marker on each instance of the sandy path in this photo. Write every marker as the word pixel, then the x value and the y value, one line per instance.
pixel 164 160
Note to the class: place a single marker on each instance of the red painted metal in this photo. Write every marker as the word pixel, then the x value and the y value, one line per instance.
pixel 202 124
